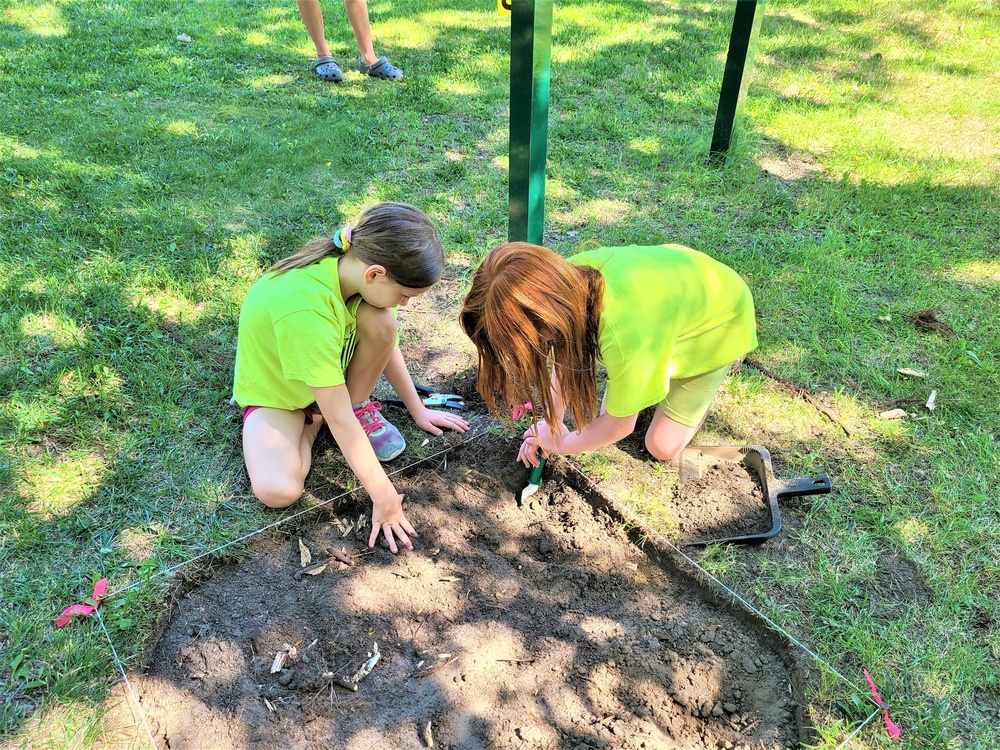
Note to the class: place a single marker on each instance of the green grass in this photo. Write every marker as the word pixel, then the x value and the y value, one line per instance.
pixel 145 183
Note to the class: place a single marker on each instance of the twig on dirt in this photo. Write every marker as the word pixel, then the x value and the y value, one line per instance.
pixel 339 555
pixel 428 737
pixel 413 633
pixel 800 392
pixel 518 661
pixel 433 670
pixel 345 683
pixel 317 567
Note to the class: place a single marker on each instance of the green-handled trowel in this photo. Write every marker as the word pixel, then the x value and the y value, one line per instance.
pixel 534 479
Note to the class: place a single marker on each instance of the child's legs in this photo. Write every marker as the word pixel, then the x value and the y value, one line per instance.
pixel 680 415
pixel 357 15
pixel 277 448
pixel 376 338
pixel 312 17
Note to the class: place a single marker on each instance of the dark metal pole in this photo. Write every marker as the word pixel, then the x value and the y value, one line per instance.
pixel 530 56
pixel 739 62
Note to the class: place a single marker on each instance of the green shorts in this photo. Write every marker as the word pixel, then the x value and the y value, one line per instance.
pixel 689 398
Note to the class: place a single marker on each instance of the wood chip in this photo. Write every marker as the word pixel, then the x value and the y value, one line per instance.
pixel 315 570
pixel 305 556
pixel 279 661
pixel 931 405
pixel 893 414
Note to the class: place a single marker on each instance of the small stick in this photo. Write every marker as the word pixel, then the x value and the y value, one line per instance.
pixel 342 557
pixel 345 683
pixel 428 737
pixel 790 386
pixel 517 661
pixel 432 670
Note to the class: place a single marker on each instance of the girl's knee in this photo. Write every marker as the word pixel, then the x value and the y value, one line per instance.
pixel 663 450
pixel 278 495
pixel 377 325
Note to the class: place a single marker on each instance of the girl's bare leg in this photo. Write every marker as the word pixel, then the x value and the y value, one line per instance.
pixel 376 340
pixel 666 437
pixel 357 16
pixel 312 17
pixel 277 448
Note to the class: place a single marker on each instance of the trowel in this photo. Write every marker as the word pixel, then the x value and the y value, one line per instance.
pixel 534 479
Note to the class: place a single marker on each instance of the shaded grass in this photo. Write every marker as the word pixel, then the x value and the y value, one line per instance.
pixel 146 183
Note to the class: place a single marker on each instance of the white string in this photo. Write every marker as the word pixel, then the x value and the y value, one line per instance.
pixel 858 728
pixel 128 684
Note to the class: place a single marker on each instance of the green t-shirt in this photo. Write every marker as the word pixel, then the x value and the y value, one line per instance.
pixel 296 333
pixel 668 312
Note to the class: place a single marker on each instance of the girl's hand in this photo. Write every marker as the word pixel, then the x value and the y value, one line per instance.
pixel 537 436
pixel 527 454
pixel 387 517
pixel 430 420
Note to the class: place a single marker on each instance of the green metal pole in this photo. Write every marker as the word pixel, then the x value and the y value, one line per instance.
pixel 530 57
pixel 739 62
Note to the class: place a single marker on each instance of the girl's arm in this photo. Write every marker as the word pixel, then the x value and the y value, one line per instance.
pixel 387 504
pixel 604 430
pixel 428 420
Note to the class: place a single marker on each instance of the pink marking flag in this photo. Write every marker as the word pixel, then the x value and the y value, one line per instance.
pixel 85 609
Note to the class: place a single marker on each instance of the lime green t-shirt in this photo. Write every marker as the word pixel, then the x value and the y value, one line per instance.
pixel 668 312
pixel 296 333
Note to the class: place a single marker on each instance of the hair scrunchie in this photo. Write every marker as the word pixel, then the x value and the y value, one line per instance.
pixel 342 237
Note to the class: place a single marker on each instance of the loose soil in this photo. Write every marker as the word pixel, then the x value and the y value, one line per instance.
pixel 726 501
pixel 506 627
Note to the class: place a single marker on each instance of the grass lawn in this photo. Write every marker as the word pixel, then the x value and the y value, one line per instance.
pixel 146 182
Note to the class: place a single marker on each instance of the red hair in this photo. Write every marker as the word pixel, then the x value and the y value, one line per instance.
pixel 527 306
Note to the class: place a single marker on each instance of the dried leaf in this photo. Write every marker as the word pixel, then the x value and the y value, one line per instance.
pixel 279 661
pixel 315 571
pixel 911 373
pixel 930 401
pixel 893 414
pixel 184 38
pixel 305 556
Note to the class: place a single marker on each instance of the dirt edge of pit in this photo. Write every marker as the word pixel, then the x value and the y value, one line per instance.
pixel 800 667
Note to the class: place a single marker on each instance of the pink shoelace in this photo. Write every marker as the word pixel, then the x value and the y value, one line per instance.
pixel 369 417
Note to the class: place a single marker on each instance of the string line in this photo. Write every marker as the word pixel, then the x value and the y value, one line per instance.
pixel 128 684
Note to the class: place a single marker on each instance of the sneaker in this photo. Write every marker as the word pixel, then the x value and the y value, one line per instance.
pixel 385 438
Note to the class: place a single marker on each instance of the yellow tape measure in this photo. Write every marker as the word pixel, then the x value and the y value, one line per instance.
pixel 503 7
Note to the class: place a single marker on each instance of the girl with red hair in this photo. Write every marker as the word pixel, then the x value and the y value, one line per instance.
pixel 666 322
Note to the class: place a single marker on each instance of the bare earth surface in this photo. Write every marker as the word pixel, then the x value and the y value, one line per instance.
pixel 543 626
pixel 507 627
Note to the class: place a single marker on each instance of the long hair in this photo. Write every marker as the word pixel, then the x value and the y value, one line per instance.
pixel 527 306
pixel 397 236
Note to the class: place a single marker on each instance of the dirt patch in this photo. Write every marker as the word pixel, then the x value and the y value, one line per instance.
pixel 507 627
pixel 727 501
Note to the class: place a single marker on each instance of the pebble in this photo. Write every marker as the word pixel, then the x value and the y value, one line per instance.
pixel 529 734
pixel 284 677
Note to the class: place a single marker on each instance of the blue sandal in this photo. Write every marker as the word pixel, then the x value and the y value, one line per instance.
pixel 327 69
pixel 381 68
